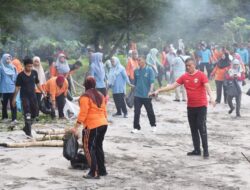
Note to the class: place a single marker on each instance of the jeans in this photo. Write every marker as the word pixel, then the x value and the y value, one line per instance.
pixel 197 118
pixel 138 103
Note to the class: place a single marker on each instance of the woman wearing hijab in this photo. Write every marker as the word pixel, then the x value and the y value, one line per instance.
pixel 117 81
pixel 152 60
pixel 37 66
pixel 234 77
pixel 93 116
pixel 8 76
pixel 219 74
pixel 98 72
pixel 62 66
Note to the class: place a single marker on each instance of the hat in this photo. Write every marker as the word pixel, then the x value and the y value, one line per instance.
pixel 236 62
pixel 60 80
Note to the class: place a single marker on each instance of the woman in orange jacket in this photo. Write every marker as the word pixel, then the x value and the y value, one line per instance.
pixel 218 73
pixel 93 116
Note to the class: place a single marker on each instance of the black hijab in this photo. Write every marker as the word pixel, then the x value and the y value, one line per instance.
pixel 224 62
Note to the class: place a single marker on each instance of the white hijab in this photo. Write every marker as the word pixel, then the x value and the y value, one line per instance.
pixel 39 70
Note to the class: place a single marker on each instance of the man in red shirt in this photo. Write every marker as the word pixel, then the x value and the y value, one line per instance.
pixel 197 87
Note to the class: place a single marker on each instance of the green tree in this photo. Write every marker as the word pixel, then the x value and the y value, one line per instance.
pixel 237 27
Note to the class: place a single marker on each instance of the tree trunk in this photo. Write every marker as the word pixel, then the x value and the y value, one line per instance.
pixel 97 41
pixel 117 44
pixel 128 25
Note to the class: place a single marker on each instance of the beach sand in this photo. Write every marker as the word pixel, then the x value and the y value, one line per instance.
pixel 147 161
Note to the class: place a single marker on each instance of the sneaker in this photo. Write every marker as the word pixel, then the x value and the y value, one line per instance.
pixel 14 122
pixel 194 153
pixel 116 114
pixel 125 115
pixel 134 131
pixel 205 154
pixel 153 129
pixel 177 100
pixel 231 110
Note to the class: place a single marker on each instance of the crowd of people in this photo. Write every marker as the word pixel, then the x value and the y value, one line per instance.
pixel 188 73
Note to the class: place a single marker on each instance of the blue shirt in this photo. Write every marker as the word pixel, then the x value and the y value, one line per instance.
pixel 100 83
pixel 7 82
pixel 143 80
pixel 205 56
pixel 120 83
pixel 243 54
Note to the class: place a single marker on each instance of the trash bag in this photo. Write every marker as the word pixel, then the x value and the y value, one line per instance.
pixel 70 146
pixel 46 105
pixel 69 96
pixel 130 98
pixel 79 162
pixel 19 102
pixel 70 110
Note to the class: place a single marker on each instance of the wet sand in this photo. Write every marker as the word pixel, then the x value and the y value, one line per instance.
pixel 143 161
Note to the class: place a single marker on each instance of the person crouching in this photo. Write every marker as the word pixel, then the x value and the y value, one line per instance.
pixel 93 116
pixel 57 89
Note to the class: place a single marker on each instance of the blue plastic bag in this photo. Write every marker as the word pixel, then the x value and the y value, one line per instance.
pixel 19 103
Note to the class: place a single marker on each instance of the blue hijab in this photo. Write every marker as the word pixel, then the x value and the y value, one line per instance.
pixel 8 68
pixel 62 67
pixel 115 71
pixel 97 65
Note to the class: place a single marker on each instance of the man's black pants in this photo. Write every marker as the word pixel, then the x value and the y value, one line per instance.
pixel 7 97
pixel 120 103
pixel 197 118
pixel 138 103
pixel 93 149
pixel 30 109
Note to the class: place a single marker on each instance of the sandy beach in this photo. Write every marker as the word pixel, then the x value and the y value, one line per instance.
pixel 148 161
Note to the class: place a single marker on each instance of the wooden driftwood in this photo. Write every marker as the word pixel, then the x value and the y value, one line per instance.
pixel 53 143
pixel 51 132
pixel 49 137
